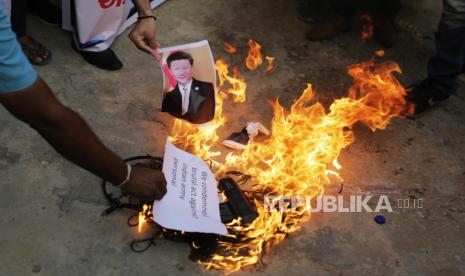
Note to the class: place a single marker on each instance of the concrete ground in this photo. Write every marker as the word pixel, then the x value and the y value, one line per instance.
pixel 51 223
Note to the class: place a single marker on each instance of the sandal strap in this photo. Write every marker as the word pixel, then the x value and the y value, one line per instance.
pixel 32 50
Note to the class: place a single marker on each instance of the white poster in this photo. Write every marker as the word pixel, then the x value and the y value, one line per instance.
pixel 191 203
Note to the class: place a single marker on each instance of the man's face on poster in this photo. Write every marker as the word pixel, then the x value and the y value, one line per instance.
pixel 182 70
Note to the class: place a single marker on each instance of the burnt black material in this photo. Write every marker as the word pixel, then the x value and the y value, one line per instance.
pixel 226 213
pixel 240 206
pixel 203 245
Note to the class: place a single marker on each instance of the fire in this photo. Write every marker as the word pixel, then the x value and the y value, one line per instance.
pixel 367 29
pixel 254 58
pixel 142 216
pixel 229 48
pixel 270 63
pixel 238 85
pixel 299 158
pixel 201 140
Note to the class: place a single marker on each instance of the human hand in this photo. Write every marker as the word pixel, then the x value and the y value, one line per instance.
pixel 146 184
pixel 144 34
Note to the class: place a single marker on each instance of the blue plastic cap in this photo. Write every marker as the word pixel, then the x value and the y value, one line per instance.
pixel 380 219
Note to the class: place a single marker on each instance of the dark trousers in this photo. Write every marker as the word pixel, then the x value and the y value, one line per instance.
pixel 449 59
pixel 18 17
pixel 379 8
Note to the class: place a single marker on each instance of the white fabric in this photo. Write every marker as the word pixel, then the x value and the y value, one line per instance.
pixel 100 20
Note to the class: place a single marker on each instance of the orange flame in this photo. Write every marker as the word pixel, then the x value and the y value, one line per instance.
pixel 199 140
pixel 229 48
pixel 270 63
pixel 379 53
pixel 254 58
pixel 367 29
pixel 299 158
pixel 142 216
pixel 238 85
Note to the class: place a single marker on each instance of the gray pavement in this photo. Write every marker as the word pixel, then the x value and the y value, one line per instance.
pixel 51 223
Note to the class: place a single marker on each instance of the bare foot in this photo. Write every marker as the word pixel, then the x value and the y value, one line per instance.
pixel 34 51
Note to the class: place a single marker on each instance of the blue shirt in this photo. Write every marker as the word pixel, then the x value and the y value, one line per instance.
pixel 16 73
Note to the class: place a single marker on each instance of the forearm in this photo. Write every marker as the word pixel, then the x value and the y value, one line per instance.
pixel 67 132
pixel 143 7
pixel 74 140
pixel 64 130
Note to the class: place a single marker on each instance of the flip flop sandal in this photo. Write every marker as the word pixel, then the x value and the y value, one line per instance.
pixel 34 48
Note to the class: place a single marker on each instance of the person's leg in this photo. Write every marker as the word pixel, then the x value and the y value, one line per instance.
pixel 336 22
pixel 448 61
pixel 383 13
pixel 311 11
pixel 449 58
pixel 18 17
pixel 346 8
pixel 35 52
pixel 382 8
pixel 46 11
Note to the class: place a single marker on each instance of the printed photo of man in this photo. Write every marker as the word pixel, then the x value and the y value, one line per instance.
pixel 192 100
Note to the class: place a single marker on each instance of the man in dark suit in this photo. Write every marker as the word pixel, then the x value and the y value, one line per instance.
pixel 191 99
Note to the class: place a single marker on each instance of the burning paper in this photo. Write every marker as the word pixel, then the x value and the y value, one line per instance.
pixel 191 202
